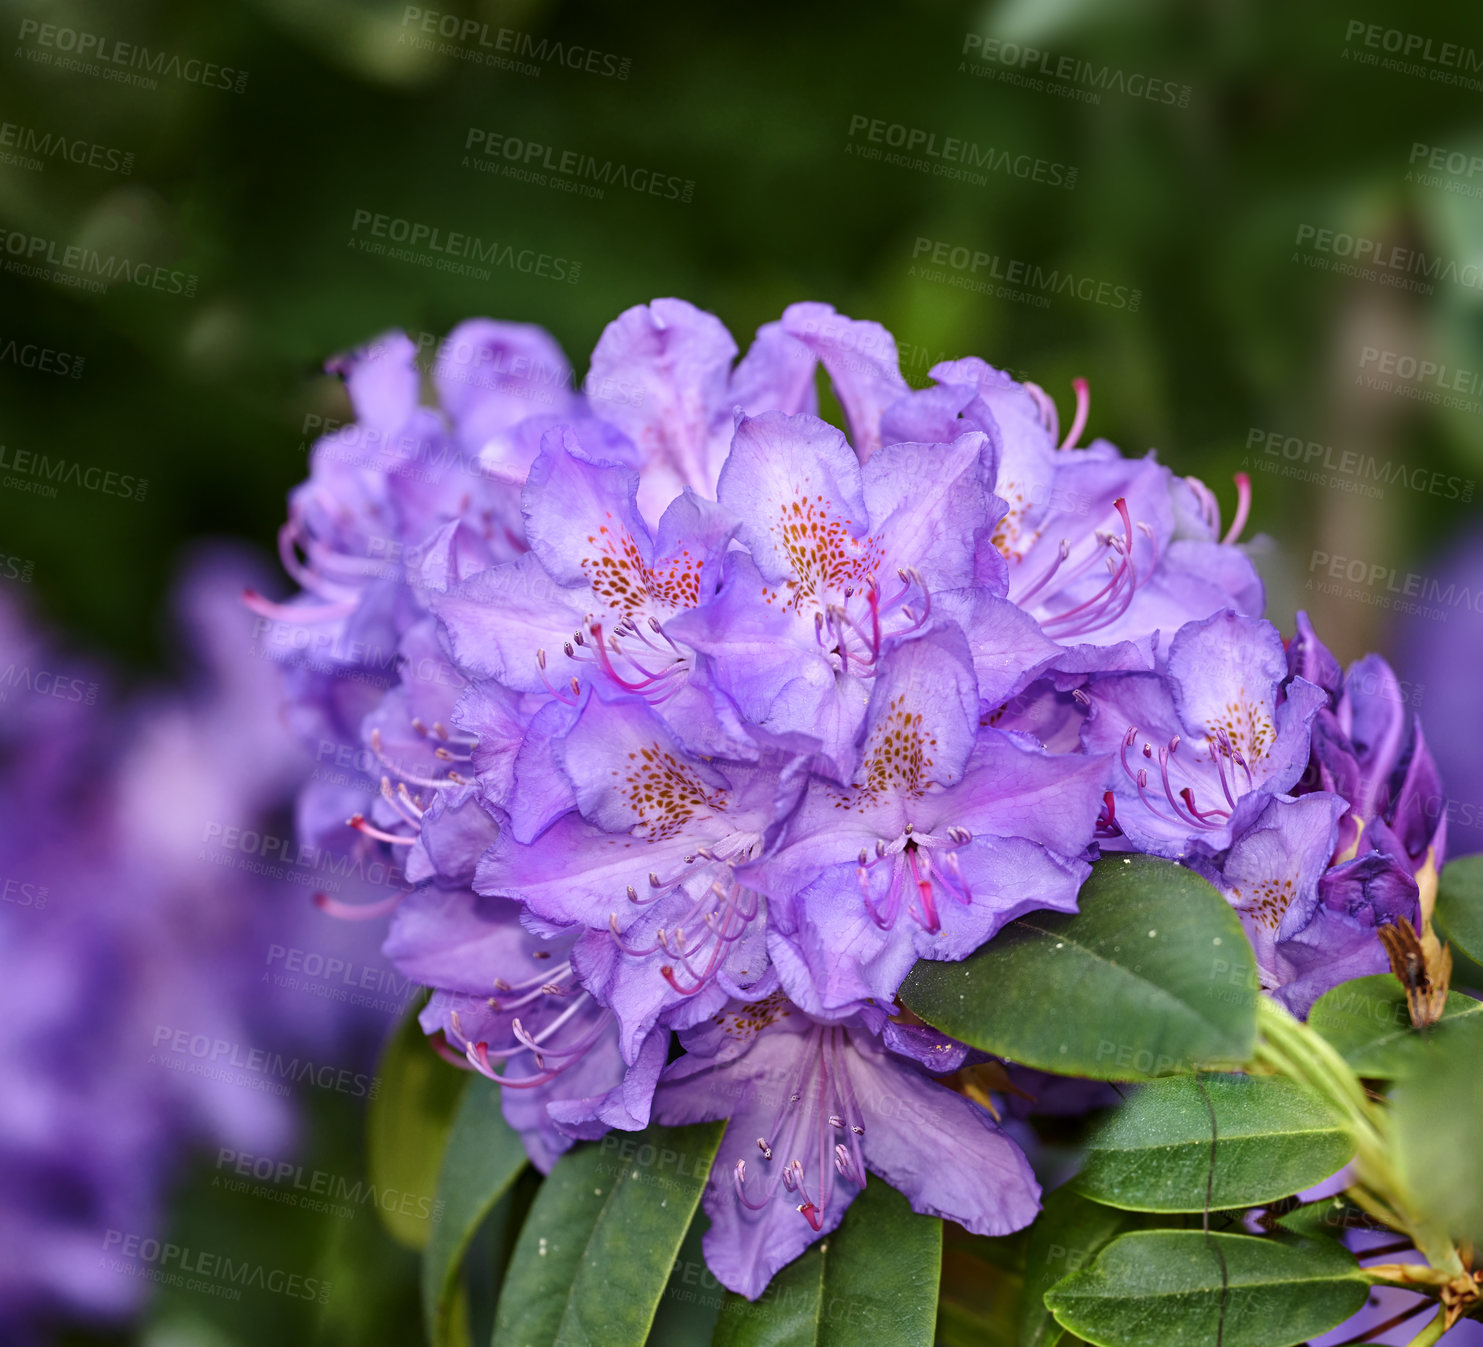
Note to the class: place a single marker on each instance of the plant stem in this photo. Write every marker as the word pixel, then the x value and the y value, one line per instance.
pixel 1432 1332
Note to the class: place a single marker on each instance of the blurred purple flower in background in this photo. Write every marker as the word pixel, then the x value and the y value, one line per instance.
pixel 150 903
pixel 1440 662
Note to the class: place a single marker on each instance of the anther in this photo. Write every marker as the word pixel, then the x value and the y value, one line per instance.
pixel 764 1148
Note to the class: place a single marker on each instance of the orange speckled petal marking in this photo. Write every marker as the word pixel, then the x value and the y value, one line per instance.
pixel 896 760
pixel 665 793
pixel 826 556
pixel 615 568
pixel 744 1022
pixel 1248 725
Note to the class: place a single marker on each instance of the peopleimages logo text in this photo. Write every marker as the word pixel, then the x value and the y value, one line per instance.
pixel 475 34
pixel 28 142
pixel 1412 46
pixel 954 156
pixel 87 268
pixel 530 160
pixel 451 250
pixel 1032 61
pixel 222 1053
pixel 116 57
pixel 42 474
pixel 220 1268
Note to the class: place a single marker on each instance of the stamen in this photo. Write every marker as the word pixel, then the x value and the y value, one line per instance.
pixel 344 911
pixel 358 822
pixel 1218 816
pixel 1083 406
pixel 283 612
pixel 1243 507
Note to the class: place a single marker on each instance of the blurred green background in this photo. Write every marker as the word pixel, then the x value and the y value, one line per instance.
pixel 1281 117
pixel 1198 207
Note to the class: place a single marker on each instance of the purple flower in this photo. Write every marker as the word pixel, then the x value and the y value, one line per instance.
pixel 840 559
pixel 650 860
pixel 946 832
pixel 1369 748
pixel 1206 741
pixel 674 701
pixel 591 598
pixel 1315 873
pixel 1276 876
pixel 1097 547
pixel 511 1003
pixel 811 1107
pixel 399 505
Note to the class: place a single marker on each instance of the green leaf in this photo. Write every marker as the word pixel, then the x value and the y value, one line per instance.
pixel 873 1280
pixel 1155 1153
pixel 1368 1021
pixel 407 1126
pixel 1164 1288
pixel 1067 1234
pixel 597 1248
pixel 482 1159
pixel 1437 1143
pixel 1460 904
pixel 1153 976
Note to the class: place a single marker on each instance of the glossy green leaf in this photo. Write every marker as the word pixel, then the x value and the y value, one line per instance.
pixel 1161 1151
pixel 1437 1142
pixel 407 1126
pixel 1460 904
pixel 1368 1021
pixel 1068 1233
pixel 1152 977
pixel 873 1280
pixel 1168 1288
pixel 482 1159
pixel 598 1246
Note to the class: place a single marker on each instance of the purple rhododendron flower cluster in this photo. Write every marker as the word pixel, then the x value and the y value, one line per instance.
pixel 698 720
pixel 136 949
